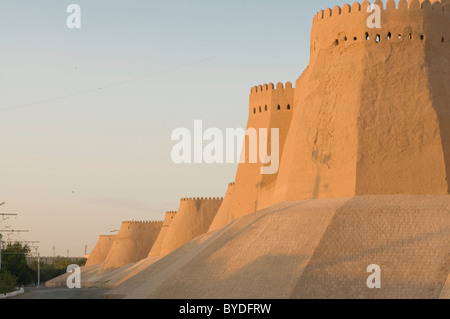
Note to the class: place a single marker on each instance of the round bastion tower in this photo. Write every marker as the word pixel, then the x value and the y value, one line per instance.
pixel 372 110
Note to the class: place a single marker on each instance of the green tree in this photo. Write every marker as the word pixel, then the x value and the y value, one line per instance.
pixel 55 269
pixel 14 262
pixel 47 271
pixel 61 263
pixel 8 282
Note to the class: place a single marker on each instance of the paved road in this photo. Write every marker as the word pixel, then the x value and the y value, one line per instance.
pixel 62 293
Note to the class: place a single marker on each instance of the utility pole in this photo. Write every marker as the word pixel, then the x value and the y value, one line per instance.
pixel 39 271
pixel 85 249
pixel 0 251
pixel 3 215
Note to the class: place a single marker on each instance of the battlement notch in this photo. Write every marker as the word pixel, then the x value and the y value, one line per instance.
pixel 346 9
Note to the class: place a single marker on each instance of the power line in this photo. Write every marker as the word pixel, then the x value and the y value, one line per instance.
pixel 13 231
pixel 179 67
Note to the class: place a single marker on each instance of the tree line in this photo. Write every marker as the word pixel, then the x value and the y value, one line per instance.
pixel 16 272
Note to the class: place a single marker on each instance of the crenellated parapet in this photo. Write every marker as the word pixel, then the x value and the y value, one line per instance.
pixel 270 87
pixel 268 98
pixel 202 199
pixel 135 224
pixel 426 22
pixel 356 8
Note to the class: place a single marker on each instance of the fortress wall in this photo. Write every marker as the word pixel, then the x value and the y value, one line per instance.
pixel 445 294
pixel 320 154
pixel 87 272
pixel 270 107
pixel 223 216
pixel 193 219
pixel 156 249
pixel 312 249
pixel 398 125
pixel 248 174
pixel 437 51
pixel 132 244
pixel 281 119
pixel 364 120
pixel 259 256
pixel 407 236
pixel 348 24
pixel 101 250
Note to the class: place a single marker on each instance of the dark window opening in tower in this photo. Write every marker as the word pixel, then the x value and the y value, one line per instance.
pixel 336 42
pixel 410 36
pixel 442 40
pixel 389 36
pixel 422 37
pixel 254 110
pixel 265 108
pixel 367 36
pixel 279 107
pixel 345 38
pixel 260 109
pixel 399 36
pixel 355 38
pixel 378 38
pixel 289 107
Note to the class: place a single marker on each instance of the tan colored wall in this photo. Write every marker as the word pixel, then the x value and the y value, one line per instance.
pixel 368 117
pixel 371 118
pixel 253 190
pixel 407 236
pixel 156 249
pixel 194 217
pixel 223 216
pixel 445 294
pixel 101 250
pixel 312 249
pixel 132 244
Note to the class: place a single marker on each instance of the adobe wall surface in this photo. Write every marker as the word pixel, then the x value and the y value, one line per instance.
pixel 194 217
pixel 132 244
pixel 371 115
pixel 312 249
pixel 86 273
pixel 408 239
pixel 270 107
pixel 223 216
pixel 156 249
pixel 91 278
pixel 101 250
pixel 445 294
pixel 117 276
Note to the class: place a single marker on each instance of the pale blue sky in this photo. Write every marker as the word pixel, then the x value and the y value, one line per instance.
pixel 75 168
